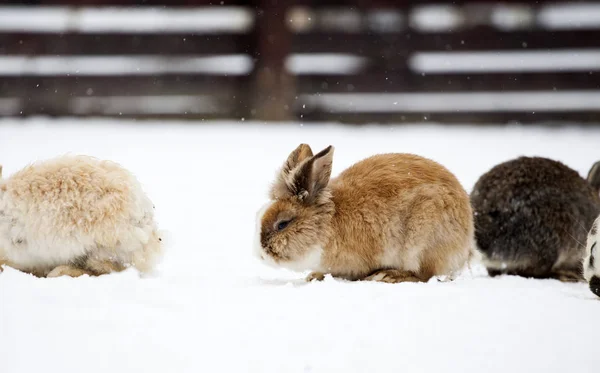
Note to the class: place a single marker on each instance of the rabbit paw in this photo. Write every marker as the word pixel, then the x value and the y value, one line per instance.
pixel 392 276
pixel 66 270
pixel 568 276
pixel 315 276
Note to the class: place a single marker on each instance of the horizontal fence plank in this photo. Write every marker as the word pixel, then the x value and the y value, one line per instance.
pixel 122 44
pixel 581 118
pixel 410 3
pixel 406 81
pixel 315 3
pixel 225 113
pixel 22 86
pixel 390 45
pixel 141 3
pixel 56 95
pixel 380 45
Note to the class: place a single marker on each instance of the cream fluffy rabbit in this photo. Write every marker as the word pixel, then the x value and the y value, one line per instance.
pixel 76 215
pixel 390 217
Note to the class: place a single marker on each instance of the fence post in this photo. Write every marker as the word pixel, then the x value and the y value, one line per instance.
pixel 273 87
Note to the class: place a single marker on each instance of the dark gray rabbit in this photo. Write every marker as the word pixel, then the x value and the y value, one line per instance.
pixel 532 217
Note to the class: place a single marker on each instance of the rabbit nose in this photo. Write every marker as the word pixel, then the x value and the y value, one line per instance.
pixel 595 285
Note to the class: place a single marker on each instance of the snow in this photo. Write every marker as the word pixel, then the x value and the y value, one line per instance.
pixel 506 101
pixel 431 18
pixel 507 61
pixel 219 18
pixel 562 16
pixel 325 63
pixel 126 19
pixel 234 64
pixel 212 308
pixel 226 64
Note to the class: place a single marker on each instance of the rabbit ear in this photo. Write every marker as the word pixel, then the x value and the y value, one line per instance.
pixel 0 171
pixel 283 183
pixel 313 176
pixel 594 176
pixel 302 152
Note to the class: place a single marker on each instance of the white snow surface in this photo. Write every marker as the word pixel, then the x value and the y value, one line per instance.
pixel 212 308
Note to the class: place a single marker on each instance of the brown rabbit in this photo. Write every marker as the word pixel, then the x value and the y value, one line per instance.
pixel 390 218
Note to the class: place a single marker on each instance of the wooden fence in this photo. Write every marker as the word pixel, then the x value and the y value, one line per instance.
pixel 351 61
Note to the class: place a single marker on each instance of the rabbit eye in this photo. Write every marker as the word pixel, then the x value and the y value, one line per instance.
pixel 283 224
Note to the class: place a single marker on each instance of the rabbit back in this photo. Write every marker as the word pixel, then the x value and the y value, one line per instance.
pixel 400 211
pixel 532 216
pixel 67 209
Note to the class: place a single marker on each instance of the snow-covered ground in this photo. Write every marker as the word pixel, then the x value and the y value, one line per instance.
pixel 213 308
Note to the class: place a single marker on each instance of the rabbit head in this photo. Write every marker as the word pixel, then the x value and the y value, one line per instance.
pixel 294 226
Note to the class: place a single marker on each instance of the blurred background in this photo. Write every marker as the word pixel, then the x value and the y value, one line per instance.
pixel 356 61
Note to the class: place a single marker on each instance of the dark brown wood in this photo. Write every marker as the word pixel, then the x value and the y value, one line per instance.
pixel 392 44
pixel 122 44
pixel 154 117
pixel 17 86
pixel 59 105
pixel 131 2
pixel 274 87
pixel 406 81
pixel 547 118
pixel 361 44
pixel 52 95
pixel 151 85
pixel 315 3
pixel 410 3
